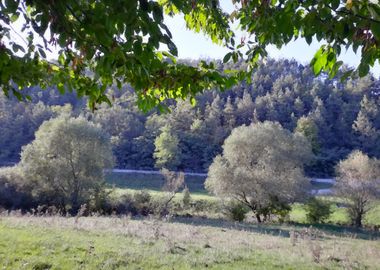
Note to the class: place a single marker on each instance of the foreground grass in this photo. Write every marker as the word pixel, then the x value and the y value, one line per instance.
pixel 122 243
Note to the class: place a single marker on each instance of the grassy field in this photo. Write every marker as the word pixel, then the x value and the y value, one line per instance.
pixel 121 243
pixel 117 192
pixel 338 216
pixel 202 241
pixel 155 182
pixel 134 182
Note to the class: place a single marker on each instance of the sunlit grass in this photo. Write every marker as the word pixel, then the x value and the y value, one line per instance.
pixel 131 183
pixel 122 243
pixel 117 192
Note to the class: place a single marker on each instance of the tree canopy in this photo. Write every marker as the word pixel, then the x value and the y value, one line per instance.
pixel 261 167
pixel 65 162
pixel 112 42
pixel 358 183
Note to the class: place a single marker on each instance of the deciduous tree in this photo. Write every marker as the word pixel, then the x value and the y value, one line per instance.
pixel 358 183
pixel 66 160
pixel 167 152
pixel 261 167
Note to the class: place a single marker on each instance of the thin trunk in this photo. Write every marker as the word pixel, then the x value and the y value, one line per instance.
pixel 74 203
pixel 358 219
pixel 258 217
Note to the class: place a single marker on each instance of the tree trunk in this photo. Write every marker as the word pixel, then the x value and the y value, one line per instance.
pixel 74 203
pixel 358 220
pixel 258 217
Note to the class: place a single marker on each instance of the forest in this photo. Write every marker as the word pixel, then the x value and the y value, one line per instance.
pixel 336 116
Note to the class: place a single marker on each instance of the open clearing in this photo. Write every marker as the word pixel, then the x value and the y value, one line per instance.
pixel 135 182
pixel 122 243
pixel 155 182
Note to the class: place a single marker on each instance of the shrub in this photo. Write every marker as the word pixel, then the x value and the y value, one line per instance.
pixel 317 210
pixel 235 211
pixel 101 201
pixel 161 206
pixel 14 194
pixel 142 201
pixel 279 209
pixel 200 205
pixel 125 205
pixel 186 199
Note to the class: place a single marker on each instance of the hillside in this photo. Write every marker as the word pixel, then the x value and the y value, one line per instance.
pixel 336 116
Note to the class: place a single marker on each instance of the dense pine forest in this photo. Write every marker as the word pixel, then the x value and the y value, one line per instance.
pixel 335 116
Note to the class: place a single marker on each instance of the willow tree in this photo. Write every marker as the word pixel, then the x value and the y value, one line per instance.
pixel 262 167
pixel 64 164
pixel 358 183
pixel 112 42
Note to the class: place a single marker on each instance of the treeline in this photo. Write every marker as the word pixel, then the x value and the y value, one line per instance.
pixel 337 117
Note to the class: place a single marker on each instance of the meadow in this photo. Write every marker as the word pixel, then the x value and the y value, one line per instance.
pixel 191 239
pixel 154 182
pixel 30 242
pixel 134 182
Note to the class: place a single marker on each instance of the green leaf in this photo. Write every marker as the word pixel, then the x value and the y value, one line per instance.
pixel 319 60
pixel 17 94
pixel 11 5
pixel 227 57
pixel 14 17
pixel 375 28
pixel 42 52
pixel 374 10
pixel 157 13
pixel 335 4
pixel 363 69
pixel 16 48
pixel 346 75
pixel 309 39
pixel 61 59
pixel 193 101
pixel 173 48
pixel 119 85
pixel 61 88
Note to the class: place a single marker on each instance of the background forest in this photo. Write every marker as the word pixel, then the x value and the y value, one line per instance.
pixel 335 116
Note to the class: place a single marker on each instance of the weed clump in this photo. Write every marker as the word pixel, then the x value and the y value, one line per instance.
pixel 235 211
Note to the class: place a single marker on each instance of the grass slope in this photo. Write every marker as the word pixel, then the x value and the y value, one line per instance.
pixel 122 243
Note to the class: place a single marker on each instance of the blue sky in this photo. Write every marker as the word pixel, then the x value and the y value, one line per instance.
pixel 194 46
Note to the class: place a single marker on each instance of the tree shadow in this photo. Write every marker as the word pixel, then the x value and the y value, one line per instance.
pixel 282 230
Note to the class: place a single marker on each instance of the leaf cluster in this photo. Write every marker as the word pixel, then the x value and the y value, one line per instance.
pixel 106 43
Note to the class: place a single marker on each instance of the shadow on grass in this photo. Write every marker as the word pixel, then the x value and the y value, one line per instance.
pixel 282 230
